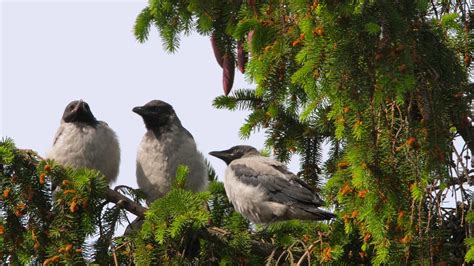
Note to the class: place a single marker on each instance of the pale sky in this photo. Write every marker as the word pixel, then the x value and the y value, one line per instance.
pixel 53 52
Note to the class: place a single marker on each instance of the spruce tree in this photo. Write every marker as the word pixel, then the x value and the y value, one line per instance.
pixel 383 84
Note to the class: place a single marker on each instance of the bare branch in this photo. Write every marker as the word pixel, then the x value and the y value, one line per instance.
pixel 125 203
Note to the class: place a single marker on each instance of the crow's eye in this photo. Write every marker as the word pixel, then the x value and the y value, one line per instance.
pixel 71 107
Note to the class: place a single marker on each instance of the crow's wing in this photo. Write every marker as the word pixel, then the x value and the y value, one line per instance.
pixel 280 185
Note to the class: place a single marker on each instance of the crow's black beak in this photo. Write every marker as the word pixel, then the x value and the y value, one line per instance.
pixel 140 110
pixel 223 155
pixel 81 106
pixel 218 154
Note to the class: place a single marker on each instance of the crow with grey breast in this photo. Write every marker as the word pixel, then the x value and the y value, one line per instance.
pixel 264 191
pixel 165 146
pixel 83 141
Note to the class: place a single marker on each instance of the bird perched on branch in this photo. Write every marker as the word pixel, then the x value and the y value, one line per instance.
pixel 264 191
pixel 165 146
pixel 83 141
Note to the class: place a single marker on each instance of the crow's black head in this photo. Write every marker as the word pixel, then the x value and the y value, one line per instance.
pixel 78 111
pixel 156 114
pixel 234 153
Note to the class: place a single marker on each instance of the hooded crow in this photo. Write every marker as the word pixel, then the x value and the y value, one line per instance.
pixel 166 145
pixel 83 141
pixel 264 191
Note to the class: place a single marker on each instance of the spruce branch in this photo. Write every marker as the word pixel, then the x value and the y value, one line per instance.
pixel 125 203
pixel 142 25
pixel 259 248
pixel 211 233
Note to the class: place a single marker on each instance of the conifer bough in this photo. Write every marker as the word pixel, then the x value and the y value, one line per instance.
pixel 384 85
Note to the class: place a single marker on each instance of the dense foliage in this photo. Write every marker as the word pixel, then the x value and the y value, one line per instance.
pixel 383 84
pixel 74 222
pixel 47 212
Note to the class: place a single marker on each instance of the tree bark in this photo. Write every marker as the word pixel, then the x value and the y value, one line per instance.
pixel 125 203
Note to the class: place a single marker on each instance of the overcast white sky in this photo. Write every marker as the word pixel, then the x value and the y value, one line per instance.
pixel 53 52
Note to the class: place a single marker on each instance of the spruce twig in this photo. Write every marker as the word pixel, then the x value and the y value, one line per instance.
pixel 125 203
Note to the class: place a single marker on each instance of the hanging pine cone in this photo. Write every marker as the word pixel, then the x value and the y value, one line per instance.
pixel 250 39
pixel 241 57
pixel 216 49
pixel 228 72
